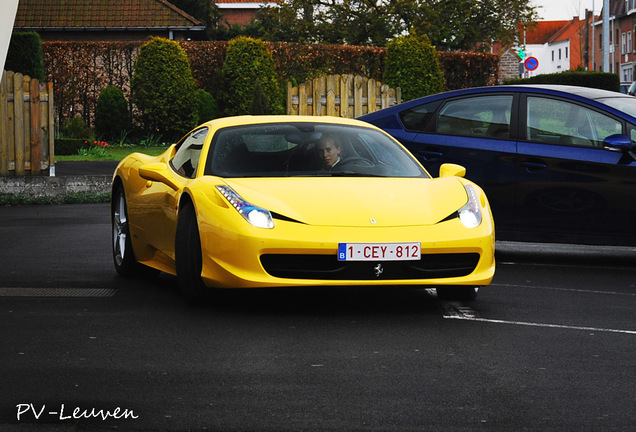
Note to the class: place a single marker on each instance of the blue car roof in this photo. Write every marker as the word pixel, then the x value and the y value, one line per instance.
pixel 591 94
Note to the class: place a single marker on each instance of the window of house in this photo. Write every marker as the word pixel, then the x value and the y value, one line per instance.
pixel 623 43
pixel 566 52
pixel 629 42
pixel 559 53
pixel 552 55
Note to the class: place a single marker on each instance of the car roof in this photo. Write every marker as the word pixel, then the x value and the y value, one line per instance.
pixel 586 92
pixel 575 92
pixel 263 119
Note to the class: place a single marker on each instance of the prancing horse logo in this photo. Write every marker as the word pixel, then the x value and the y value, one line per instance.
pixel 378 270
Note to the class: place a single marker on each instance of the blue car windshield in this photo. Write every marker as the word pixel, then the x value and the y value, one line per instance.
pixel 308 149
pixel 625 104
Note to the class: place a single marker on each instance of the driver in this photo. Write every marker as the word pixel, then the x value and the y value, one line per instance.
pixel 328 150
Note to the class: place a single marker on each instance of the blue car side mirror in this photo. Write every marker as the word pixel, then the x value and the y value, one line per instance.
pixel 618 143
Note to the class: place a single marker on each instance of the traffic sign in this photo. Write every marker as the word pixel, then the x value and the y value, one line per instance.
pixel 531 63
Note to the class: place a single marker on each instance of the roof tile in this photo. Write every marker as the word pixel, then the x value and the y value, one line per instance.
pixel 101 13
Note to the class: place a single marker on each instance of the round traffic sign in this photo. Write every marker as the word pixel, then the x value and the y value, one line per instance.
pixel 531 63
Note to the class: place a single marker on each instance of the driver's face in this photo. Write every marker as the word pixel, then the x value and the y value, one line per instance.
pixel 328 152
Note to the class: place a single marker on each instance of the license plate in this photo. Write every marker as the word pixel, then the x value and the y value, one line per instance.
pixel 379 251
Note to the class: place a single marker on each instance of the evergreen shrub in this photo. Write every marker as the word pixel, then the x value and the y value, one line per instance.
pixel 207 106
pixel 69 146
pixel 248 62
pixel 111 113
pixel 163 89
pixel 412 63
pixel 25 55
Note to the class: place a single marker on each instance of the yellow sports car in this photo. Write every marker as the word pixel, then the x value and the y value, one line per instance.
pixel 272 201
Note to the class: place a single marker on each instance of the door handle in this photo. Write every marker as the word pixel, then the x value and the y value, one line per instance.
pixel 430 155
pixel 534 166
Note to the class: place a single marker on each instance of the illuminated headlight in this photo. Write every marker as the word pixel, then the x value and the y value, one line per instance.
pixel 470 214
pixel 259 217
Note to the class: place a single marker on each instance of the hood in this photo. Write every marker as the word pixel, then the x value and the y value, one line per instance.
pixel 354 202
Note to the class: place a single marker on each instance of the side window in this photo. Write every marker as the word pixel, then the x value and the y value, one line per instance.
pixel 553 121
pixel 418 118
pixel 481 116
pixel 186 159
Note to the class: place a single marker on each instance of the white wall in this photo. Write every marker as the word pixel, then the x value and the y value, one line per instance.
pixel 7 18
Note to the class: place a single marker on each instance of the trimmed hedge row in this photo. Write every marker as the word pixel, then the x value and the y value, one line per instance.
pixel 601 80
pixel 80 70
pixel 69 146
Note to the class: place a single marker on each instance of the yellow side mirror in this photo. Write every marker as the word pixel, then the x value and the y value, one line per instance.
pixel 452 170
pixel 159 172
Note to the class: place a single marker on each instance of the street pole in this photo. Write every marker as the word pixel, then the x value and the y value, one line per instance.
pixel 606 35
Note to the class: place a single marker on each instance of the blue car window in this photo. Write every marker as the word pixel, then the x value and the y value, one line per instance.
pixel 418 119
pixel 481 116
pixel 553 121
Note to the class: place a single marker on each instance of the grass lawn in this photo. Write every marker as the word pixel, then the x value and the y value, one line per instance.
pixel 114 153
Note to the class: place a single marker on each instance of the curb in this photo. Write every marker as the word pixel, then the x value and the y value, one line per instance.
pixel 37 186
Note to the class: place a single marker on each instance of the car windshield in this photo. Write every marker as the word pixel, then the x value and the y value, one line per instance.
pixel 307 149
pixel 625 104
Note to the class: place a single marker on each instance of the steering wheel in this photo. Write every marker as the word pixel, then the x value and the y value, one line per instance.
pixel 355 161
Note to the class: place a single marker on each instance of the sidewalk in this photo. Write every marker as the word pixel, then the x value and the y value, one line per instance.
pixel 70 177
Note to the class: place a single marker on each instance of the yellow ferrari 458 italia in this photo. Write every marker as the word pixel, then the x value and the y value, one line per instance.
pixel 273 201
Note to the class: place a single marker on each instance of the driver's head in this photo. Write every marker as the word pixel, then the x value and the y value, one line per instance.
pixel 328 150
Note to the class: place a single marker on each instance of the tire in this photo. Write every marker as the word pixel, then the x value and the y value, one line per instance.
pixel 188 256
pixel 457 293
pixel 123 254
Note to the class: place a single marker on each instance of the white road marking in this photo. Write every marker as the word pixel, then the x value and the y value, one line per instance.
pixel 592 329
pixel 564 289
pixel 458 311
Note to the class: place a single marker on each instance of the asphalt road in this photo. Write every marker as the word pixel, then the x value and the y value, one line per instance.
pixel 549 346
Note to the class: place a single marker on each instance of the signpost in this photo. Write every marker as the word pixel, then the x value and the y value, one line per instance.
pixel 531 63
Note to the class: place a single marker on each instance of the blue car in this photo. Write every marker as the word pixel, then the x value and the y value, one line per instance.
pixel 558 163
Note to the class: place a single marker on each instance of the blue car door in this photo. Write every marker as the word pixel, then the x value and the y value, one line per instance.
pixel 477 132
pixel 569 186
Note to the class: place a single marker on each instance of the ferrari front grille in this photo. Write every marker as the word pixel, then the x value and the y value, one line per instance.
pixel 327 267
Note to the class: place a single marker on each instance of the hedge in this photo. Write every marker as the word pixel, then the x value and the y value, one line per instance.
pixel 601 80
pixel 80 70
pixel 69 146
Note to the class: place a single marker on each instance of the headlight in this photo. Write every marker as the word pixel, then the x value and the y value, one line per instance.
pixel 259 217
pixel 470 214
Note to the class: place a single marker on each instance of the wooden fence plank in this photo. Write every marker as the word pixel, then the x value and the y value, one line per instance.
pixel 34 94
pixel 4 132
pixel 26 125
pixel 345 83
pixel 51 127
pixel 330 94
pixel 340 95
pixel 18 110
pixel 358 86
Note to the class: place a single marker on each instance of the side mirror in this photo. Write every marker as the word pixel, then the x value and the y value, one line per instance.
pixel 451 170
pixel 618 143
pixel 159 172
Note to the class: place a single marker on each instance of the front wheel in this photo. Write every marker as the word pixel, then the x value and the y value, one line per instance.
pixel 458 293
pixel 123 255
pixel 188 256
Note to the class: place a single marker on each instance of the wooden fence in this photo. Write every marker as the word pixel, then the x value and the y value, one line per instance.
pixel 340 96
pixel 26 125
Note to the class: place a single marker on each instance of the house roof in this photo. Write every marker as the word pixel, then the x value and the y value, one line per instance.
pixel 243 4
pixel 101 14
pixel 544 32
